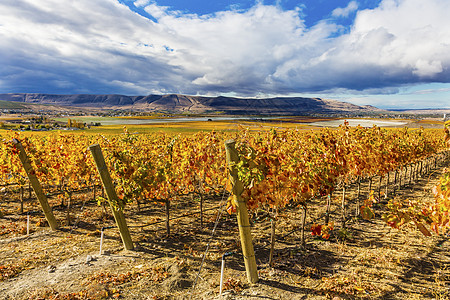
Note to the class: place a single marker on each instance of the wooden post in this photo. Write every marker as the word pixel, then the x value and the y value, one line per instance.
pixel 168 217
pixel 395 182
pixel 406 172
pixel 387 186
pixel 242 214
pixel 410 173
pixel 327 213
pixel 36 185
pixel 379 186
pixel 200 192
pixel 61 188
pixel 359 188
pixel 97 154
pixel 272 241
pixel 357 210
pixel 21 199
pixel 201 210
pixel 69 203
pixel 343 207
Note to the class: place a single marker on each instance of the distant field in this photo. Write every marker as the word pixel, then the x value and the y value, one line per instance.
pixel 183 128
pixel 431 121
pixel 153 119
pixel 10 105
pixel 361 122
pixel 186 125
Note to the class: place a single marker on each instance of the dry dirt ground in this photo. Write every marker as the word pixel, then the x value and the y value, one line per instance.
pixel 368 260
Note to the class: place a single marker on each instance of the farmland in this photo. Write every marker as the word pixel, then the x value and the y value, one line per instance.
pixel 351 208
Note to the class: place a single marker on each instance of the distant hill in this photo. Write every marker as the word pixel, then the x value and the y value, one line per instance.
pixel 174 103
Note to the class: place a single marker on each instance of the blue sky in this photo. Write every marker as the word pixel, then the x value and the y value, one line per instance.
pixel 312 11
pixel 386 53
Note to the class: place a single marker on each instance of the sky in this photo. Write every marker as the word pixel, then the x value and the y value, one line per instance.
pixel 385 53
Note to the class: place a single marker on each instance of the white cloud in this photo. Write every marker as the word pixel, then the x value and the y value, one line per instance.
pixel 400 42
pixel 140 3
pixel 430 91
pixel 102 46
pixel 426 68
pixel 91 43
pixel 346 11
pixel 156 11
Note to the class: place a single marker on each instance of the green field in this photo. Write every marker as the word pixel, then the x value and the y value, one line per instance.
pixel 10 105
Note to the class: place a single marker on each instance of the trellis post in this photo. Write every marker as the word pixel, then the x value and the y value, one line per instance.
pixel 36 185
pixel 97 154
pixel 242 213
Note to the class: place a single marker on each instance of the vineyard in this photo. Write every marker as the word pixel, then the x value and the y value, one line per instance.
pixel 326 209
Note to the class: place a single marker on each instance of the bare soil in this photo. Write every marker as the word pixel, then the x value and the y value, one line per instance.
pixel 367 260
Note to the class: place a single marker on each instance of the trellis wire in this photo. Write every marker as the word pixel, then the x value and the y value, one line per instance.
pixel 219 215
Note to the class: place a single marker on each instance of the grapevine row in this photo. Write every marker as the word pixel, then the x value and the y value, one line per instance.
pixel 277 168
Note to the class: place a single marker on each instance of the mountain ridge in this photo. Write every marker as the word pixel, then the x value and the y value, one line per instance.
pixel 177 103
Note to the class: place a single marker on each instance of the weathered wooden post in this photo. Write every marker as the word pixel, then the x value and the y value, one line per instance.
pixel 327 212
pixel 167 205
pixel 96 152
pixel 242 213
pixel 379 186
pixel 358 197
pixel 343 216
pixel 36 185
pixel 201 210
pixel 69 203
pixel 387 186
pixel 21 199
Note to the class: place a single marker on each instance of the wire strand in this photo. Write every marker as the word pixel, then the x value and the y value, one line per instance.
pixel 219 215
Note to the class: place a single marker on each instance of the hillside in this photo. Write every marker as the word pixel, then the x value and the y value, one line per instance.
pixel 175 103
pixel 10 105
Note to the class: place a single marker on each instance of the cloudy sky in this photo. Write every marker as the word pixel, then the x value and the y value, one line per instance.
pixel 387 53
